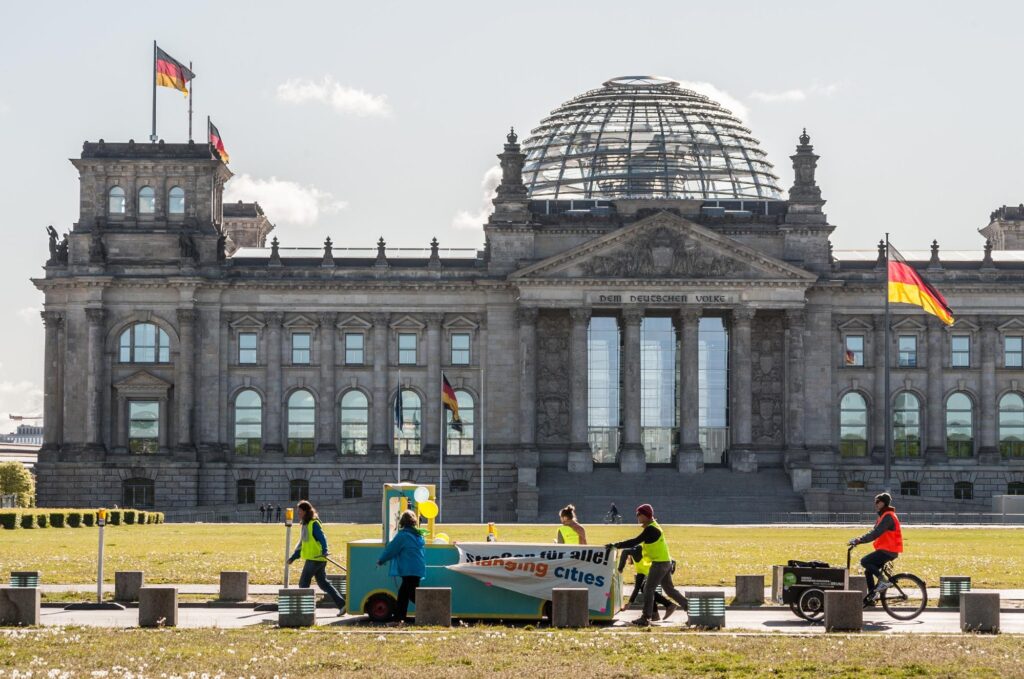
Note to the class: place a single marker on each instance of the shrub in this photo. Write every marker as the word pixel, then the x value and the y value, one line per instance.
pixel 42 520
pixel 9 520
pixel 74 519
pixel 16 480
pixel 159 517
pixel 114 517
pixel 89 519
pixel 28 520
pixel 129 517
pixel 141 517
pixel 56 519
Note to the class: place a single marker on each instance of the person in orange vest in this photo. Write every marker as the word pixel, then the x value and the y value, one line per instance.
pixel 887 539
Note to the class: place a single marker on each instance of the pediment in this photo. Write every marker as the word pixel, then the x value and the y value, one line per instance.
pixel 247 321
pixel 855 325
pixel 962 324
pixel 460 322
pixel 408 323
pixel 1012 325
pixel 144 383
pixel 354 322
pixel 300 321
pixel 910 323
pixel 664 246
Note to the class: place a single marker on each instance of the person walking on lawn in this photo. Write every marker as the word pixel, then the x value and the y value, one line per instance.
pixel 643 567
pixel 408 558
pixel 312 548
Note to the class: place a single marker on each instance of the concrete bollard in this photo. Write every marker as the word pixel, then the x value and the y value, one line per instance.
pixel 844 610
pixel 24 578
pixel 706 609
pixel 234 585
pixel 569 607
pixel 296 607
pixel 749 590
pixel 434 606
pixel 979 612
pixel 19 605
pixel 158 607
pixel 127 585
pixel 951 587
pixel 859 583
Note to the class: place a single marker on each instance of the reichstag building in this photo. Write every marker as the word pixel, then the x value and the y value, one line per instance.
pixel 650 317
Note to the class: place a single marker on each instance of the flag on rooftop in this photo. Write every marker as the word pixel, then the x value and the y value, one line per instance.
pixel 906 286
pixel 218 143
pixel 172 73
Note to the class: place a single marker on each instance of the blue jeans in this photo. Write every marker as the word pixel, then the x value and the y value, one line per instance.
pixel 318 570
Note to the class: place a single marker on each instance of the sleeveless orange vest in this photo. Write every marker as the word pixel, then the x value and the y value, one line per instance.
pixel 891 540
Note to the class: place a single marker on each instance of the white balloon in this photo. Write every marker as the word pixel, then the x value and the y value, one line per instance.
pixel 421 494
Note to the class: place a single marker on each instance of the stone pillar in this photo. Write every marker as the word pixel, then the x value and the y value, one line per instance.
pixel 274 443
pixel 53 397
pixel 184 391
pixel 327 412
pixel 94 379
pixel 527 318
pixel 631 458
pixel 434 606
pixel 580 457
pixel 689 458
pixel 741 372
pixel 432 389
pixel 795 325
pixel 158 607
pixel 876 431
pixel 381 417
pixel 988 453
pixel 935 407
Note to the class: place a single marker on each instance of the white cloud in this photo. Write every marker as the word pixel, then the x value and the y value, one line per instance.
pixel 721 96
pixel 19 398
pixel 283 201
pixel 341 98
pixel 467 219
pixel 29 314
pixel 795 94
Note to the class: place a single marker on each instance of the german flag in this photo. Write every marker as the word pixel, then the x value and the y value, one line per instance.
pixel 172 73
pixel 906 286
pixel 450 403
pixel 218 144
pixel 851 358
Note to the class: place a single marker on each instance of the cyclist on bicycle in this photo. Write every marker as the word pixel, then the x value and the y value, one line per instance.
pixel 613 514
pixel 887 539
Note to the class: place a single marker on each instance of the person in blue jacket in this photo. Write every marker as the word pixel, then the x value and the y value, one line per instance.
pixel 408 558
pixel 312 548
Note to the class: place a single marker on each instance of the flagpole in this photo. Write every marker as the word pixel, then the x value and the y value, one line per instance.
pixel 886 481
pixel 482 419
pixel 398 451
pixel 152 136
pixel 440 456
pixel 191 87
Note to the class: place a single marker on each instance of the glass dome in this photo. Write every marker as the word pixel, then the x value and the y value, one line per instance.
pixel 645 137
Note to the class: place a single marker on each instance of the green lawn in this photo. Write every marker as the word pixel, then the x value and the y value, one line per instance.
pixel 708 555
pixel 495 652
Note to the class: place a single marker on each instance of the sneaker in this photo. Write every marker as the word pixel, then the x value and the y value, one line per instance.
pixel 669 610
pixel 641 622
pixel 655 618
pixel 882 586
pixel 869 602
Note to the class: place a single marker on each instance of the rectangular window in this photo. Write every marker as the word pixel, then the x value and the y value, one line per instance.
pixel 247 348
pixel 460 349
pixel 143 427
pixel 300 348
pixel 354 348
pixel 855 350
pixel 961 351
pixel 908 351
pixel 406 349
pixel 1013 356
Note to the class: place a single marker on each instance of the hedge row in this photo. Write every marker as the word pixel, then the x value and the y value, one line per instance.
pixel 74 518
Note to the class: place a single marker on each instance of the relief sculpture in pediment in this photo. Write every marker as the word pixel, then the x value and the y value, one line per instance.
pixel 662 253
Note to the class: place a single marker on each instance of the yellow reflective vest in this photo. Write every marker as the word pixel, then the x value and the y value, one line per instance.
pixel 656 551
pixel 311 549
pixel 569 535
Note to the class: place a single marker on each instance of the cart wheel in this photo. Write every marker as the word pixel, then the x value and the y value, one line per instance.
pixel 380 607
pixel 812 604
pixel 795 607
pixel 545 611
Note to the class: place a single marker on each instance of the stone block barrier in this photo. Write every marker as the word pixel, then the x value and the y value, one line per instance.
pixel 951 587
pixel 234 586
pixel 158 607
pixel 296 607
pixel 24 578
pixel 749 590
pixel 844 610
pixel 706 609
pixel 569 607
pixel 979 612
pixel 858 583
pixel 127 585
pixel 434 606
pixel 19 605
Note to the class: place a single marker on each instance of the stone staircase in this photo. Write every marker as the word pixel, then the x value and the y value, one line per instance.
pixel 716 496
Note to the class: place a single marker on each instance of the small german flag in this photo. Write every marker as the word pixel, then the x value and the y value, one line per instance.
pixel 172 73
pixel 906 286
pixel 851 358
pixel 450 403
pixel 218 144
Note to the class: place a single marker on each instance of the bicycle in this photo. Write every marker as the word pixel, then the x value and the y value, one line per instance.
pixel 612 518
pixel 904 589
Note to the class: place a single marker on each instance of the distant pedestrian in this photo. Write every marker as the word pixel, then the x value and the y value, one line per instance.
pixel 277 513
pixel 312 548
pixel 408 558
pixel 263 513
pixel 270 513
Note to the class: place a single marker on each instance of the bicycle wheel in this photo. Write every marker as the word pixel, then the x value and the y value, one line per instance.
pixel 812 604
pixel 906 598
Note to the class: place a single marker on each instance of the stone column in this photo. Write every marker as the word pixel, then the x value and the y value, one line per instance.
pixel 877 421
pixel 988 453
pixel 184 391
pixel 327 411
pixel 741 369
pixel 52 395
pixel 94 379
pixel 690 457
pixel 631 457
pixel 381 416
pixel 432 389
pixel 935 407
pixel 580 457
pixel 274 442
pixel 795 326
pixel 527 318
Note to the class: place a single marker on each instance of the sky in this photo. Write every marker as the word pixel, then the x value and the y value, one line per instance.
pixel 358 120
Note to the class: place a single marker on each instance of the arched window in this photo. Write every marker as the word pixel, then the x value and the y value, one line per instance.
pixel 959 425
pixel 355 419
pixel 1015 488
pixel 461 443
pixel 912 488
pixel 144 343
pixel 246 491
pixel 963 490
pixel 301 423
pixel 147 200
pixel 248 423
pixel 906 426
pixel 408 437
pixel 298 490
pixel 853 426
pixel 137 493
pixel 176 201
pixel 115 201
pixel 1011 425
pixel 459 485
pixel 352 489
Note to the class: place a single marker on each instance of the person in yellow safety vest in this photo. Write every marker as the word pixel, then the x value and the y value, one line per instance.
pixel 312 548
pixel 654 547
pixel 570 532
pixel 643 567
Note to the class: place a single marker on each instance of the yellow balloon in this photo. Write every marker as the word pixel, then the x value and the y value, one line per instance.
pixel 442 539
pixel 428 509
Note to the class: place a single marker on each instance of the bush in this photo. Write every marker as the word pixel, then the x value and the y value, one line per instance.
pixel 141 517
pixel 9 520
pixel 56 519
pixel 159 517
pixel 74 519
pixel 16 480
pixel 28 520
pixel 113 517
pixel 42 519
pixel 89 519
pixel 129 517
